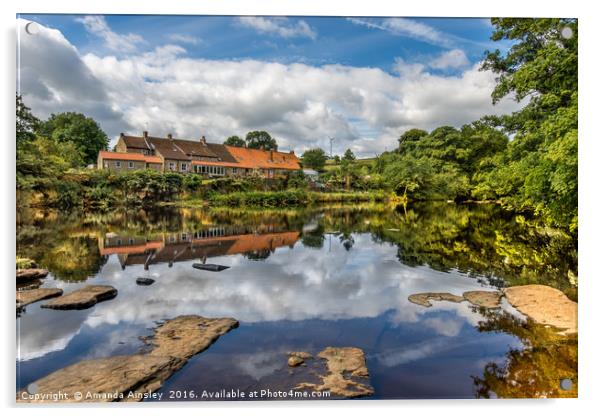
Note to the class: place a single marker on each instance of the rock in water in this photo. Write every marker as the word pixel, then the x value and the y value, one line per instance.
pixel 297 358
pixel 127 377
pixel 83 298
pixel 545 305
pixel 25 297
pixel 485 299
pixel 105 379
pixel 28 274
pixel 343 364
pixel 423 299
pixel 144 281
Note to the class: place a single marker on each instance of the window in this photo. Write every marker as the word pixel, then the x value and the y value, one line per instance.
pixel 172 166
pixel 184 167
pixel 106 165
pixel 131 165
pixel 117 164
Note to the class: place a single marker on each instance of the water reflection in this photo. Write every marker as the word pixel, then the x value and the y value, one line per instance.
pixel 299 280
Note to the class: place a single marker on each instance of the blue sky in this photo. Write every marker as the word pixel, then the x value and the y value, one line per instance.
pixel 386 74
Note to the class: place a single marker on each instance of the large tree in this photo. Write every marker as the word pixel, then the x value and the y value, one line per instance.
pixel 261 140
pixel 349 156
pixel 27 123
pixel 234 141
pixel 314 159
pixel 539 170
pixel 84 132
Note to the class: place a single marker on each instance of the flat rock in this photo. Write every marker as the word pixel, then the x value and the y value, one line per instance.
pixel 188 335
pixel 83 298
pixel 105 379
pixel 127 377
pixel 344 366
pixel 423 299
pixel 144 281
pixel 28 274
pixel 545 305
pixel 482 298
pixel 25 297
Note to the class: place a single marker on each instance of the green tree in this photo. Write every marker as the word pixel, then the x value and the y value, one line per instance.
pixel 541 160
pixel 412 135
pixel 234 141
pixel 337 159
pixel 349 156
pixel 27 123
pixel 314 159
pixel 261 139
pixel 84 132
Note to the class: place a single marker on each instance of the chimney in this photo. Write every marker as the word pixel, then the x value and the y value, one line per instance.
pixel 121 134
pixel 203 140
pixel 145 134
pixel 169 136
pixel 292 152
pixel 271 155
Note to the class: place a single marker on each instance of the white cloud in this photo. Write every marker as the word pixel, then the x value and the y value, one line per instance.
pixel 402 26
pixel 280 26
pixel 98 26
pixel 456 58
pixel 181 38
pixel 165 91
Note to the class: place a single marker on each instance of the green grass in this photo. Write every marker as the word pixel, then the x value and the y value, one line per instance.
pixel 291 198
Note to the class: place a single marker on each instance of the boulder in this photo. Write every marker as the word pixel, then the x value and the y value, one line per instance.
pixel 83 298
pixel 482 298
pixel 297 358
pixel 545 305
pixel 423 299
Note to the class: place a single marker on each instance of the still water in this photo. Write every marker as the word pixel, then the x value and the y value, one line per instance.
pixel 303 280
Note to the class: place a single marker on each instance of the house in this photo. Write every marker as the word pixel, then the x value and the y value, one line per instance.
pixel 195 156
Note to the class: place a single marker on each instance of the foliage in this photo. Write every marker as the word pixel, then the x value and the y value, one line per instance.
pixel 539 169
pixel 291 198
pixel 27 123
pixel 348 156
pixel 76 128
pixel 235 141
pixel 314 159
pixel 261 140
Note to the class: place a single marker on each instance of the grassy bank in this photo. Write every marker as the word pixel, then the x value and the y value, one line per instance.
pixel 292 198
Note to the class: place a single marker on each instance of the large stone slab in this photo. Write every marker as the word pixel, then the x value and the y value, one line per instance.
pixel 482 298
pixel 26 297
pixel 345 365
pixel 131 377
pixel 83 298
pixel 545 305
pixel 423 299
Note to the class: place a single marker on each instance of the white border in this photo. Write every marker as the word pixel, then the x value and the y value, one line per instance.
pixel 590 146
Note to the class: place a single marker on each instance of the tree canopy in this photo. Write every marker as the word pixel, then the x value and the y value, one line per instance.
pixel 261 139
pixel 314 159
pixel 27 123
pixel 84 132
pixel 349 156
pixel 235 141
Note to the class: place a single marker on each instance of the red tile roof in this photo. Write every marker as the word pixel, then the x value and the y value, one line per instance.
pixel 129 156
pixel 257 159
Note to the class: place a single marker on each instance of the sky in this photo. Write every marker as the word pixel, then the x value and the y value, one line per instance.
pixel 362 81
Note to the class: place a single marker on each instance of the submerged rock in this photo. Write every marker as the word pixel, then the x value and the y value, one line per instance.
pixel 545 305
pixel 423 299
pixel 83 298
pixel 25 297
pixel 485 299
pixel 297 358
pixel 29 274
pixel 128 377
pixel 144 281
pixel 482 298
pixel 343 364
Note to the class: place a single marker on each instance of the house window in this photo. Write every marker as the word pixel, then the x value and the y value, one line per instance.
pixel 172 166
pixel 106 165
pixel 184 167
pixel 118 164
pixel 271 173
pixel 131 165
